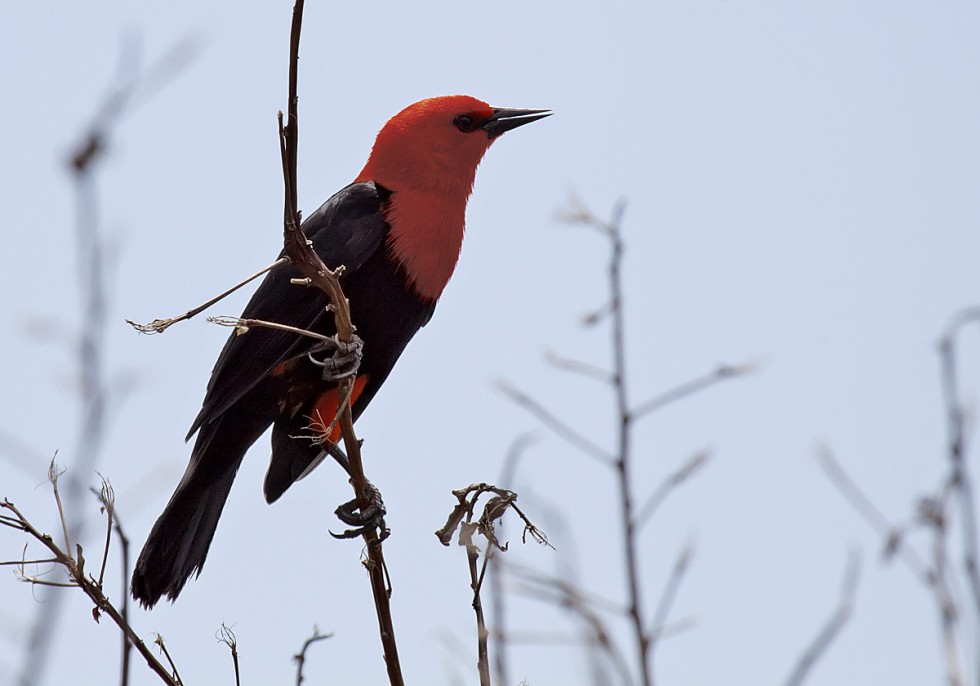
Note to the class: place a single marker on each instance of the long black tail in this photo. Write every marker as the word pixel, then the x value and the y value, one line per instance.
pixel 179 542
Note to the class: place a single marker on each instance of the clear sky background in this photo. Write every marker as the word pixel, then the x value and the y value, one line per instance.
pixel 801 181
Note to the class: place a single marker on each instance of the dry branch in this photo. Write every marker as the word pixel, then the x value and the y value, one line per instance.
pixel 74 565
pixel 309 264
pixel 300 657
pixel 833 627
pixel 461 519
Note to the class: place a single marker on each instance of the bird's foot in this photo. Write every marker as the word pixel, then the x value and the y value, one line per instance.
pixel 369 518
pixel 344 360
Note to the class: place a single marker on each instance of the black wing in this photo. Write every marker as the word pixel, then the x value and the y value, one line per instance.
pixel 346 230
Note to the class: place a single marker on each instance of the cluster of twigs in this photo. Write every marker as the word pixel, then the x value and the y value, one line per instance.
pixel 72 560
pixel 952 504
pixel 131 87
pixel 619 459
pixel 461 519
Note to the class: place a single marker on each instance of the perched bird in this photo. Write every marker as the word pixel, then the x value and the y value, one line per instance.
pixel 397 230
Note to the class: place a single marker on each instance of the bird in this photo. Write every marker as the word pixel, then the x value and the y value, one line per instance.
pixel 397 229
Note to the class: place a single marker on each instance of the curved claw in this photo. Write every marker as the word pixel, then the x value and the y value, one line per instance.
pixel 370 518
pixel 345 358
pixel 380 526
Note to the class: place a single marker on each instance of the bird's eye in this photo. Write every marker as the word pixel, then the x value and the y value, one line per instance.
pixel 465 122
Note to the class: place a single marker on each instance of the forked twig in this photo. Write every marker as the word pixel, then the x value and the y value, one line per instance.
pixel 74 565
pixel 227 636
pixel 300 657
pixel 461 519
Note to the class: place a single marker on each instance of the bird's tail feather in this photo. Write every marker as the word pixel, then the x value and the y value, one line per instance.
pixel 178 544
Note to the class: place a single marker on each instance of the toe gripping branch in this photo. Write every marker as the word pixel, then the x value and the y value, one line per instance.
pixel 344 359
pixel 370 517
pixel 343 362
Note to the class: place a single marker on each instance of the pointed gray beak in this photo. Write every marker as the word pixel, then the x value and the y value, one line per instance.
pixel 504 119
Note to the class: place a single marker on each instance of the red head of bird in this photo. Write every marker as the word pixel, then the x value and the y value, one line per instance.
pixel 427 156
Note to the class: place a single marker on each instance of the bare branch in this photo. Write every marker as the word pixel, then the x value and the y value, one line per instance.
pixel 894 540
pixel 227 636
pixel 667 597
pixel 108 499
pixel 688 388
pixel 242 326
pixel 78 578
pixel 556 425
pixel 300 657
pixel 687 470
pixel 584 368
pixel 546 588
pixel 833 627
pixel 309 264
pixel 53 474
pixel 957 451
pixel 158 641
pixel 161 325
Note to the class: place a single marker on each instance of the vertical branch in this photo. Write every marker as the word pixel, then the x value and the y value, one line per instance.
pixel 312 267
pixel 127 645
pixel 91 253
pixel 483 655
pixel 91 257
pixel 960 477
pixel 300 657
pixel 960 482
pixel 498 606
pixel 623 445
pixel 290 131
pixel 948 616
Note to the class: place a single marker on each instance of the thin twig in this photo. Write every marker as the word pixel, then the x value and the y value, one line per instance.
pixel 833 627
pixel 894 542
pixel 242 326
pixel 89 587
pixel 721 373
pixel 300 657
pixel 166 653
pixel 21 563
pixel 656 499
pixel 53 475
pixel 127 644
pixel 546 583
pixel 107 497
pixel 958 452
pixel 161 325
pixel 667 597
pixel 483 655
pixel 558 426
pixel 566 595
pixel 497 604
pixel 577 366
pixel 227 636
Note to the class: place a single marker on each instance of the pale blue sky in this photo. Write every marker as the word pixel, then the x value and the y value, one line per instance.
pixel 802 185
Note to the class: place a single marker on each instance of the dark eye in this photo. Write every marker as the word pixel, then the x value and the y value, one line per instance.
pixel 464 122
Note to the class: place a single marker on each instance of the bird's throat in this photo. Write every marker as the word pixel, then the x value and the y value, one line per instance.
pixel 426 237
